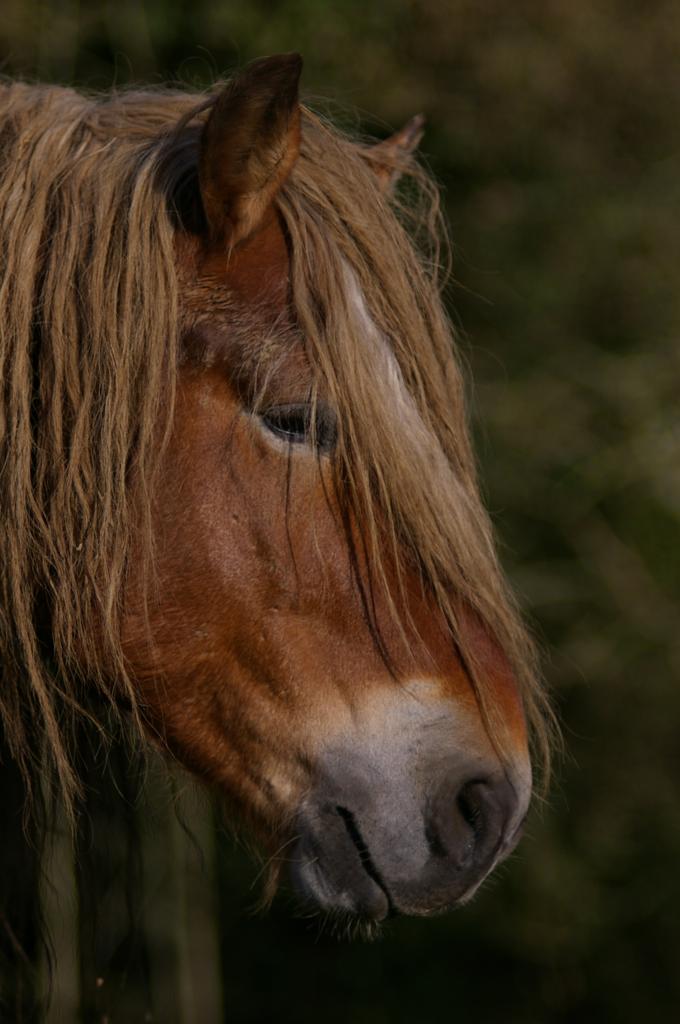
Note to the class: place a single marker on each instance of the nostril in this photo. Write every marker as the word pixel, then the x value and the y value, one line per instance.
pixel 469 807
pixel 468 824
pixel 442 823
pixel 451 834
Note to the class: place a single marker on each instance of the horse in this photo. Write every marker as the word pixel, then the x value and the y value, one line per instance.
pixel 240 509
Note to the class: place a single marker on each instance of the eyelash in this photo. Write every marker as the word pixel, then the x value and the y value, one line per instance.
pixel 293 423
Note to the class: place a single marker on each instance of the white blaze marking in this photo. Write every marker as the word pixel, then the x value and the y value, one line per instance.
pixel 410 429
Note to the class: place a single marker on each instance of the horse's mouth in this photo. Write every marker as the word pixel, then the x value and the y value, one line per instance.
pixel 342 877
pixel 365 858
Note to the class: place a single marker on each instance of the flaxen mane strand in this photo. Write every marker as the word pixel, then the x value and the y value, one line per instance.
pixel 404 441
pixel 90 321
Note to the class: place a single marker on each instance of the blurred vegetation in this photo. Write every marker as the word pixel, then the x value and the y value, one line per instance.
pixel 555 131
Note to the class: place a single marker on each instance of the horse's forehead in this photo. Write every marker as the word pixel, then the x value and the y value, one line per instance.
pixel 238 310
pixel 256 273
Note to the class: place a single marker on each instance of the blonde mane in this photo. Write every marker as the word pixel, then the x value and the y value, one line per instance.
pixel 90 332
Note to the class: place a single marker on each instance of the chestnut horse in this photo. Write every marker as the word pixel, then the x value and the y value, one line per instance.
pixel 239 504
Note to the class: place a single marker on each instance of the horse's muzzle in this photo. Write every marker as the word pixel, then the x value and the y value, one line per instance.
pixel 372 851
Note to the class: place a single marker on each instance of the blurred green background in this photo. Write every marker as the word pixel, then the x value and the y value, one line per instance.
pixel 554 128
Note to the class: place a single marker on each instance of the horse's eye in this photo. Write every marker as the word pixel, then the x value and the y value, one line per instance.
pixel 293 423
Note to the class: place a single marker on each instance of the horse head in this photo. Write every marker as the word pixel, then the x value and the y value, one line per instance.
pixel 328 698
pixel 244 489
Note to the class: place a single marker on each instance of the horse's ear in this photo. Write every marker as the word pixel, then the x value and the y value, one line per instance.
pixel 387 157
pixel 249 145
